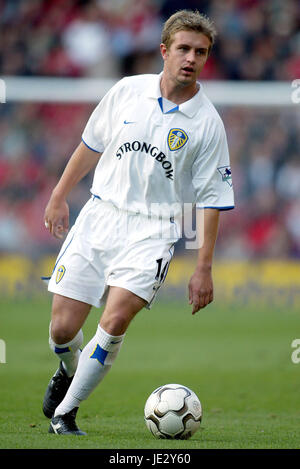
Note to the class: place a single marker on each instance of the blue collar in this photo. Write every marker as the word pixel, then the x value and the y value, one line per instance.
pixel 169 111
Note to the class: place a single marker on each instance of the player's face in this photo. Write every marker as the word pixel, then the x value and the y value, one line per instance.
pixel 186 57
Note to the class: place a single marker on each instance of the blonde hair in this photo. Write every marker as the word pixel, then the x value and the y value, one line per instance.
pixel 187 20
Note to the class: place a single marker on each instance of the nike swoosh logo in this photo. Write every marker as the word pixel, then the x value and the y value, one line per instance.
pixel 128 122
pixel 116 342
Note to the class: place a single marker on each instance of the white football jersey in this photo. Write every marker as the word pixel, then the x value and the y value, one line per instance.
pixel 156 152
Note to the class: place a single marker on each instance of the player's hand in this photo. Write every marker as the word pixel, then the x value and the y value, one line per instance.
pixel 56 218
pixel 200 289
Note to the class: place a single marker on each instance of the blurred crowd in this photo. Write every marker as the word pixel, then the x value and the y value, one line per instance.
pixel 264 147
pixel 257 40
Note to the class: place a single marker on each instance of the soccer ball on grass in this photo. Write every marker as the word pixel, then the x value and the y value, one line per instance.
pixel 173 411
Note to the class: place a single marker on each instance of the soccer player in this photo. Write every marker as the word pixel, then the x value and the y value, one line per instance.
pixel 155 141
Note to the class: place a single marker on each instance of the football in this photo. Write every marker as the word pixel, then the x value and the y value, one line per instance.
pixel 173 411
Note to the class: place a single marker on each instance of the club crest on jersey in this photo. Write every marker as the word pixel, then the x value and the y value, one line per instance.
pixel 225 172
pixel 177 138
pixel 60 273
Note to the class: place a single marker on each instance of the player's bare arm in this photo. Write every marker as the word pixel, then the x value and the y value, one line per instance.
pixel 56 216
pixel 201 283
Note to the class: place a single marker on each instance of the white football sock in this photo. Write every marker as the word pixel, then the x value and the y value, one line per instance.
pixel 95 361
pixel 68 353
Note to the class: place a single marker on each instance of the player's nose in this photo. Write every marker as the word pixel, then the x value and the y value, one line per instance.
pixel 191 56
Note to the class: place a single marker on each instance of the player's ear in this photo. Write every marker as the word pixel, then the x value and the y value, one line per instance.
pixel 163 50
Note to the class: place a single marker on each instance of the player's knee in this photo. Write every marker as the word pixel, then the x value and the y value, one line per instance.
pixel 61 332
pixel 117 322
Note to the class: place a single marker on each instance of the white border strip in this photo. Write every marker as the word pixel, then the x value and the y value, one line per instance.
pixel 91 90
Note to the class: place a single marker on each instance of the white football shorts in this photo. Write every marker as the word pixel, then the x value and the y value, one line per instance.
pixel 111 247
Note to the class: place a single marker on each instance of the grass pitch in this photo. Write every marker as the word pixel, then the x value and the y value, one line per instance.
pixel 238 361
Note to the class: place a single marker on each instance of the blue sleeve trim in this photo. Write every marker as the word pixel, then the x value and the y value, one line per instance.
pixel 218 208
pixel 96 151
pixel 94 196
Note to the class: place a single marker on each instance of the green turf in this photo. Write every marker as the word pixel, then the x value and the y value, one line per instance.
pixel 238 361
